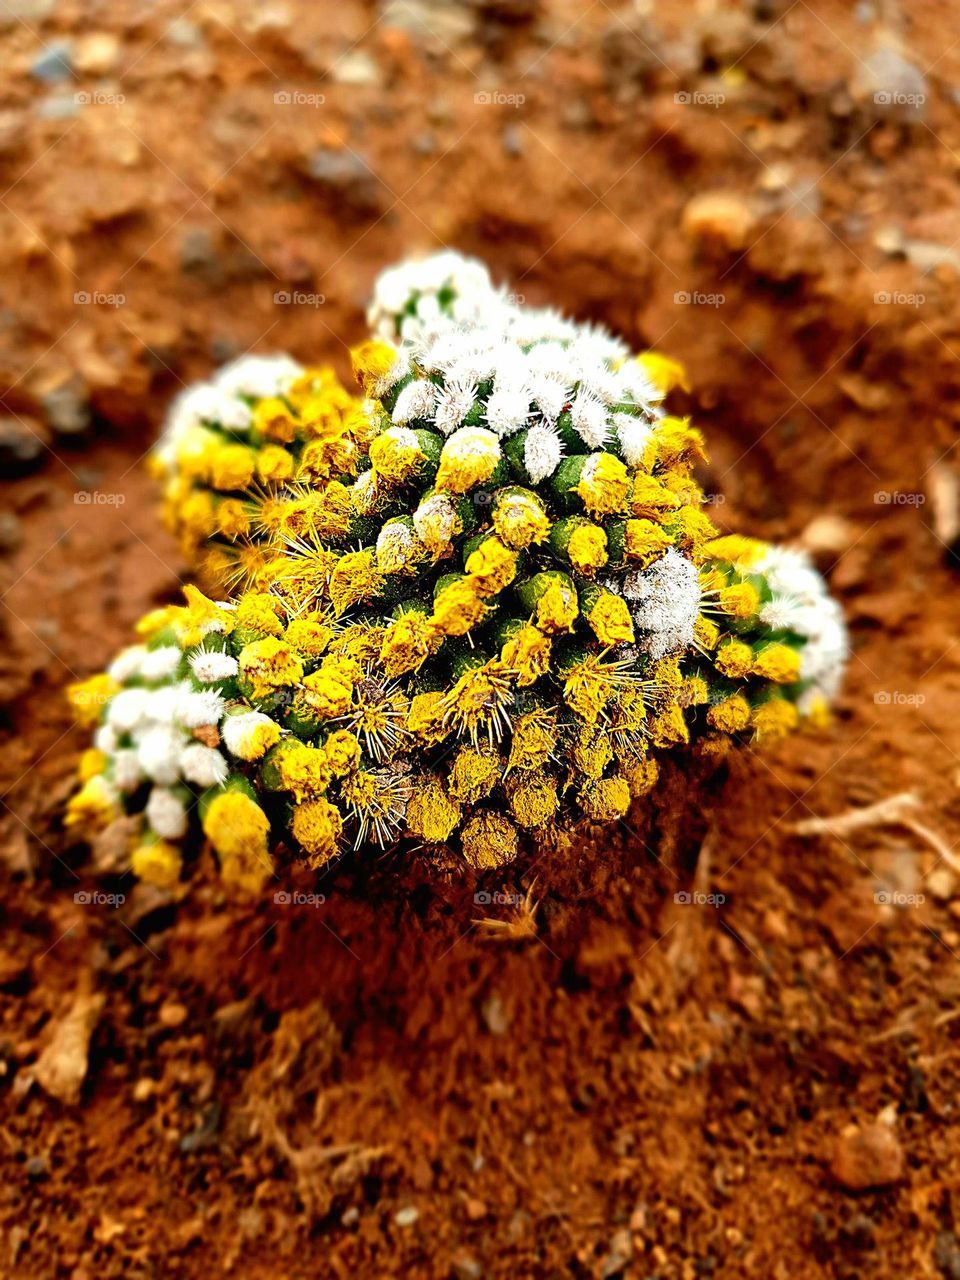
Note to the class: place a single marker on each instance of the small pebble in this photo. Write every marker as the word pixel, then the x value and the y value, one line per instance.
pixel 576 114
pixel 54 63
pixel 60 106
pixel 942 883
pixel 466 1267
pixel 406 1217
pixel 868 1156
pixel 346 173
pixel 512 140
pixel 357 69
pixel 888 85
pixel 96 54
pixel 67 409
pixel 720 216
pixel 185 34
pixel 429 23
pixel 197 249
pixel 204 1132
pixel 859 1232
pixel 495 1016
pixel 621 1252
pixel 946 1254
pixel 828 534
pixel 172 1014
pixel 425 144
pixel 438 111
pixel 11 532
pixel 21 443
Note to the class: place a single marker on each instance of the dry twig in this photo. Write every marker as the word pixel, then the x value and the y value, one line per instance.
pixel 895 811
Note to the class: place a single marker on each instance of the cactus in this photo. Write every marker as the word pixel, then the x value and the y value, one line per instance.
pixel 262 426
pixel 488 615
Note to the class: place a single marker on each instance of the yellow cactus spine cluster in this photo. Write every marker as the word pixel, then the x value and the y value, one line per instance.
pixel 478 603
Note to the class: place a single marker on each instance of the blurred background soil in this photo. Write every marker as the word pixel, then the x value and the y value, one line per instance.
pixel 599 1080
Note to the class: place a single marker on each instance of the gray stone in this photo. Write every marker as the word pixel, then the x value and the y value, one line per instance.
pixel 347 174
pixel 886 84
pixel 67 408
pixel 621 1252
pixel 197 249
pixel 21 443
pixel 54 63
pixel 59 106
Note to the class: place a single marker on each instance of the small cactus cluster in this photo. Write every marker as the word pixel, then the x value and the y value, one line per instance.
pixel 262 425
pixel 478 604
